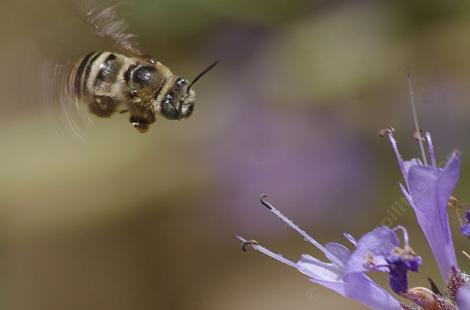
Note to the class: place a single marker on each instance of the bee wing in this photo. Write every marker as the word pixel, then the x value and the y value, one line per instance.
pixel 69 117
pixel 108 23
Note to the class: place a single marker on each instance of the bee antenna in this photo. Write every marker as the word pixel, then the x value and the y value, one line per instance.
pixel 200 75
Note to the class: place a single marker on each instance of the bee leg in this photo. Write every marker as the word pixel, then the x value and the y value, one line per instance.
pixel 123 111
pixel 103 106
pixel 141 118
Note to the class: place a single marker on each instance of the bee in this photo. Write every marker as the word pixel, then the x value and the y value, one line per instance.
pixel 109 82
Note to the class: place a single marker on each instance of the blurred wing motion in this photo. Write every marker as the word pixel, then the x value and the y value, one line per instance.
pixel 108 23
pixel 107 82
pixel 68 116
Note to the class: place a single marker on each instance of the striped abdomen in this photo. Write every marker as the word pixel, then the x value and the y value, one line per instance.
pixel 97 80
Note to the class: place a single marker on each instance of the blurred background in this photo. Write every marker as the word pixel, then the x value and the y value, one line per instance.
pixel 94 215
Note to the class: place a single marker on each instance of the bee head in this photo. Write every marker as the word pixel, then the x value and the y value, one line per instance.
pixel 179 101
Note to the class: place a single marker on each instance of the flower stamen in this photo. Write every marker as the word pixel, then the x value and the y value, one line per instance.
pixel 430 146
pixel 415 119
pixel 249 244
pixel 258 247
pixel 350 238
pixel 454 204
pixel 370 263
pixel 406 239
pixel 297 229
pixel 388 132
pixel 464 226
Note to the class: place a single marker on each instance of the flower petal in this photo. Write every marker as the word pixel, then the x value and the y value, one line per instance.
pixel 356 286
pixel 407 164
pixel 360 287
pixel 319 270
pixel 463 297
pixel 430 190
pixel 339 251
pixel 376 245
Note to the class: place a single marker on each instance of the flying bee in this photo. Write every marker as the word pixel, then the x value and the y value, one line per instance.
pixel 110 82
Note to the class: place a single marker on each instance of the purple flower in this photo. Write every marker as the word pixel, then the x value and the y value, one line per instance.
pixel 428 189
pixel 463 297
pixel 344 273
pixel 465 227
pixel 380 250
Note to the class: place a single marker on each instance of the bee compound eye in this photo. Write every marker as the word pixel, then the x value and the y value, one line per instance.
pixel 169 110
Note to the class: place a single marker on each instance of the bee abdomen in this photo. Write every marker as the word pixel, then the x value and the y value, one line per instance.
pixel 93 80
pixel 106 74
pixel 78 75
pixel 95 74
pixel 103 106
